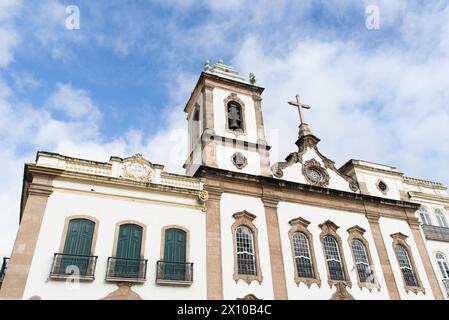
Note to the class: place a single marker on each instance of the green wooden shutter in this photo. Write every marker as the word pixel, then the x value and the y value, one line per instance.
pixel 128 251
pixel 78 244
pixel 174 254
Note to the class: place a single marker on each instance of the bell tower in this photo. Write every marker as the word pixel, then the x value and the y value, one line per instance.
pixel 226 128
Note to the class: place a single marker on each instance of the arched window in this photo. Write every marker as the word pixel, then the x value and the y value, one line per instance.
pixel 77 247
pixel 424 215
pixel 246 261
pixel 302 255
pixel 442 222
pixel 405 265
pixel 333 259
pixel 175 267
pixel 246 250
pixel 442 264
pixel 195 125
pixel 361 261
pixel 234 116
pixel 128 261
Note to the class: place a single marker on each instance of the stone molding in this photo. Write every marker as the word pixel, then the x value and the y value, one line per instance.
pixel 244 218
pixel 301 225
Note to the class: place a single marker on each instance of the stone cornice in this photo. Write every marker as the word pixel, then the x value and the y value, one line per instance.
pixel 438 198
pixel 212 81
pixel 118 182
pixel 253 186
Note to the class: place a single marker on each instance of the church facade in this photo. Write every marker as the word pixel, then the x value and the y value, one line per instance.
pixel 235 226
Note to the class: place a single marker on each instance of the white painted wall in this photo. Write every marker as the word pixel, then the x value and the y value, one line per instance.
pixel 109 211
pixel 231 204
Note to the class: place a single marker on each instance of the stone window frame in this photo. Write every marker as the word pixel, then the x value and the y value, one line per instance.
pixel 117 233
pixel 400 239
pixel 244 218
pixel 243 165
pixel 423 211
pixel 384 192
pixel 356 233
pixel 63 239
pixel 66 229
pixel 301 225
pixel 194 140
pixel 329 228
pixel 313 164
pixel 162 251
pixel 233 97
pixel 439 213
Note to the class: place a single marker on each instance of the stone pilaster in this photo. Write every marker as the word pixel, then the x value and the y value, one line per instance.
pixel 275 248
pixel 213 245
pixel 387 270
pixel 414 224
pixel 24 247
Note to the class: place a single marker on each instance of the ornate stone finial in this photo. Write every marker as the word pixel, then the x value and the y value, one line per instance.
pixel 252 78
pixel 206 65
pixel 220 61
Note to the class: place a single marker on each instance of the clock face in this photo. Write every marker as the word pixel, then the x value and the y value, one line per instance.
pixel 314 174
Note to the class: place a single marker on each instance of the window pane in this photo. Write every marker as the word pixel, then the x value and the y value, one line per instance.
pixel 404 264
pixel 302 255
pixel 246 263
pixel 441 218
pixel 442 264
pixel 361 260
pixel 333 259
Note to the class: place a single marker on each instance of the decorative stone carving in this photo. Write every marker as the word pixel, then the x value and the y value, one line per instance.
pixel 312 164
pixel 382 186
pixel 341 293
pixel 137 168
pixel 277 168
pixel 244 218
pixel 249 297
pixel 123 292
pixel 239 160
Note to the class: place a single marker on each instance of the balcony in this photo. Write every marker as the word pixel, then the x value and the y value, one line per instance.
pixel 126 270
pixel 435 232
pixel 71 265
pixel 174 273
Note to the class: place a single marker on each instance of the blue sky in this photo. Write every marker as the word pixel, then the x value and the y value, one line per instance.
pixel 118 85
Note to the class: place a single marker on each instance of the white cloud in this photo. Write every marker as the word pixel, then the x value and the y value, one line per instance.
pixel 74 103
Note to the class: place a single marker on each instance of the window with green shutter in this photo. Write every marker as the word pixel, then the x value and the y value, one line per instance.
pixel 78 245
pixel 175 254
pixel 129 246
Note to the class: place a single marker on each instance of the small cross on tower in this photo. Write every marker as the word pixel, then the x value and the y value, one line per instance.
pixel 299 105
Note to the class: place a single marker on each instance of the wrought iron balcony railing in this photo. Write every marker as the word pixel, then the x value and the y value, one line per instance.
pixel 4 267
pixel 435 232
pixel 72 265
pixel 132 270
pixel 180 273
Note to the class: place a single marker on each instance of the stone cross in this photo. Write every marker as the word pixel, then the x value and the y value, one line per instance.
pixel 299 105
